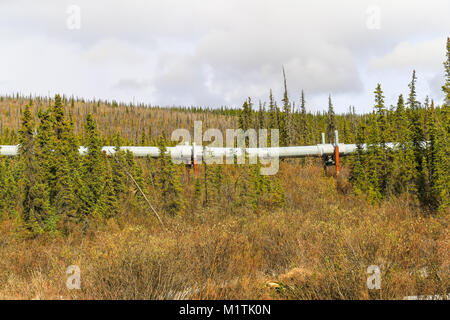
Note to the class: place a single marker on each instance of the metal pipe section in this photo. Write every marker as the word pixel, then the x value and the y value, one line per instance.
pixel 199 153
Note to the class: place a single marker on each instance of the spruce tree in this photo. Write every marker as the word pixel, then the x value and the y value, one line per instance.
pixel 346 133
pixel 108 204
pixel 439 147
pixel 273 117
pixel 285 123
pixel 37 214
pixel 260 119
pixel 446 86
pixel 272 112
pixel 245 115
pixel 384 155
pixel 303 125
pixel 119 177
pixel 93 170
pixel 10 174
pixel 404 164
pixel 381 113
pixel 358 176
pixel 373 160
pixel 417 139
pixel 439 166
pixel 67 182
pixel 331 121
pixel 26 160
pixel 168 182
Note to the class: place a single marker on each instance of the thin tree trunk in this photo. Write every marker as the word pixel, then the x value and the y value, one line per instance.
pixel 140 190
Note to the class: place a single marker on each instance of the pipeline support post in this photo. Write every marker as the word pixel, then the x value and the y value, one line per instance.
pixel 195 169
pixel 336 157
pixel 194 161
pixel 336 152
pixel 327 159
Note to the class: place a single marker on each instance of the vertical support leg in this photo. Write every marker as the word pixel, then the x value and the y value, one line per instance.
pixel 195 169
pixel 336 152
pixel 194 161
pixel 336 159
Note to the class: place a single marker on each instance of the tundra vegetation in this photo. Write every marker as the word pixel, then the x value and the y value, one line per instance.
pixel 229 232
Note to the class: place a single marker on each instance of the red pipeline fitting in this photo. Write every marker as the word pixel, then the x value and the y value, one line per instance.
pixel 336 158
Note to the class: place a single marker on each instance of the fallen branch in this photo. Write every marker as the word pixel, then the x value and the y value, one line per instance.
pixel 140 190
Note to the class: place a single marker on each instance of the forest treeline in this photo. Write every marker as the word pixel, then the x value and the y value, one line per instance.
pixel 50 188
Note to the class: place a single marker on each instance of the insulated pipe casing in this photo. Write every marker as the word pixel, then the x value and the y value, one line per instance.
pixel 185 153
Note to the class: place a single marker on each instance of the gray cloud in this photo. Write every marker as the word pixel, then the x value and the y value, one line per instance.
pixel 220 52
pixel 131 85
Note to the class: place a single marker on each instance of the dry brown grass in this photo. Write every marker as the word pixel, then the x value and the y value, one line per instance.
pixel 317 247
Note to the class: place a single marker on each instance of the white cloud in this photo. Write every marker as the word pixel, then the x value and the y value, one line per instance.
pixel 427 54
pixel 132 84
pixel 114 51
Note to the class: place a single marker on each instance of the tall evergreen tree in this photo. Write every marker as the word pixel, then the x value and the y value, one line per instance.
pixel 108 204
pixel 260 119
pixel 67 182
pixel 285 121
pixel 93 171
pixel 273 124
pixel 303 124
pixel 381 113
pixel 446 86
pixel 331 121
pixel 404 163
pixel 439 147
pixel 37 215
pixel 417 139
pixel 119 177
pixel 9 190
pixel 168 182
pixel 383 154
pixel 46 163
pixel 373 163
pixel 245 115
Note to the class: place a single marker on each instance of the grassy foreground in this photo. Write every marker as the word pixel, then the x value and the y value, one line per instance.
pixel 317 247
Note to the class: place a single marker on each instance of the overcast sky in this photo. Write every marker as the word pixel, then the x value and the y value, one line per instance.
pixel 213 53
